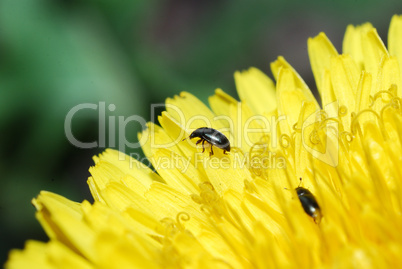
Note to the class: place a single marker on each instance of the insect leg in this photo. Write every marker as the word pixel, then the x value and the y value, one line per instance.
pixel 203 147
pixel 212 152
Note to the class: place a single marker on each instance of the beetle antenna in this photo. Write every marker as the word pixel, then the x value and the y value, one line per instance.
pixel 301 180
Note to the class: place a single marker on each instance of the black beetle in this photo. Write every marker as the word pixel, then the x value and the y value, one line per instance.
pixel 309 203
pixel 213 137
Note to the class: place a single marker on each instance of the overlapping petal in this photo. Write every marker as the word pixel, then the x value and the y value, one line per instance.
pixel 241 210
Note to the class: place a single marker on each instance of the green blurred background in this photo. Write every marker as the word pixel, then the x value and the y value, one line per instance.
pixel 57 54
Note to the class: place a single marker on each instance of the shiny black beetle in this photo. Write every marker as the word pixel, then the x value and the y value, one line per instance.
pixel 309 203
pixel 213 137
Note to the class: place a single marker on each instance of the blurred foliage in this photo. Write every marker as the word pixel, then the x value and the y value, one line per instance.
pixel 58 54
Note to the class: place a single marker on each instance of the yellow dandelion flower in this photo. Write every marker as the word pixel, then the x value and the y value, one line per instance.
pixel 302 186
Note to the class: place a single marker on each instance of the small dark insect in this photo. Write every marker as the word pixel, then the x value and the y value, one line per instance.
pixel 213 137
pixel 309 203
